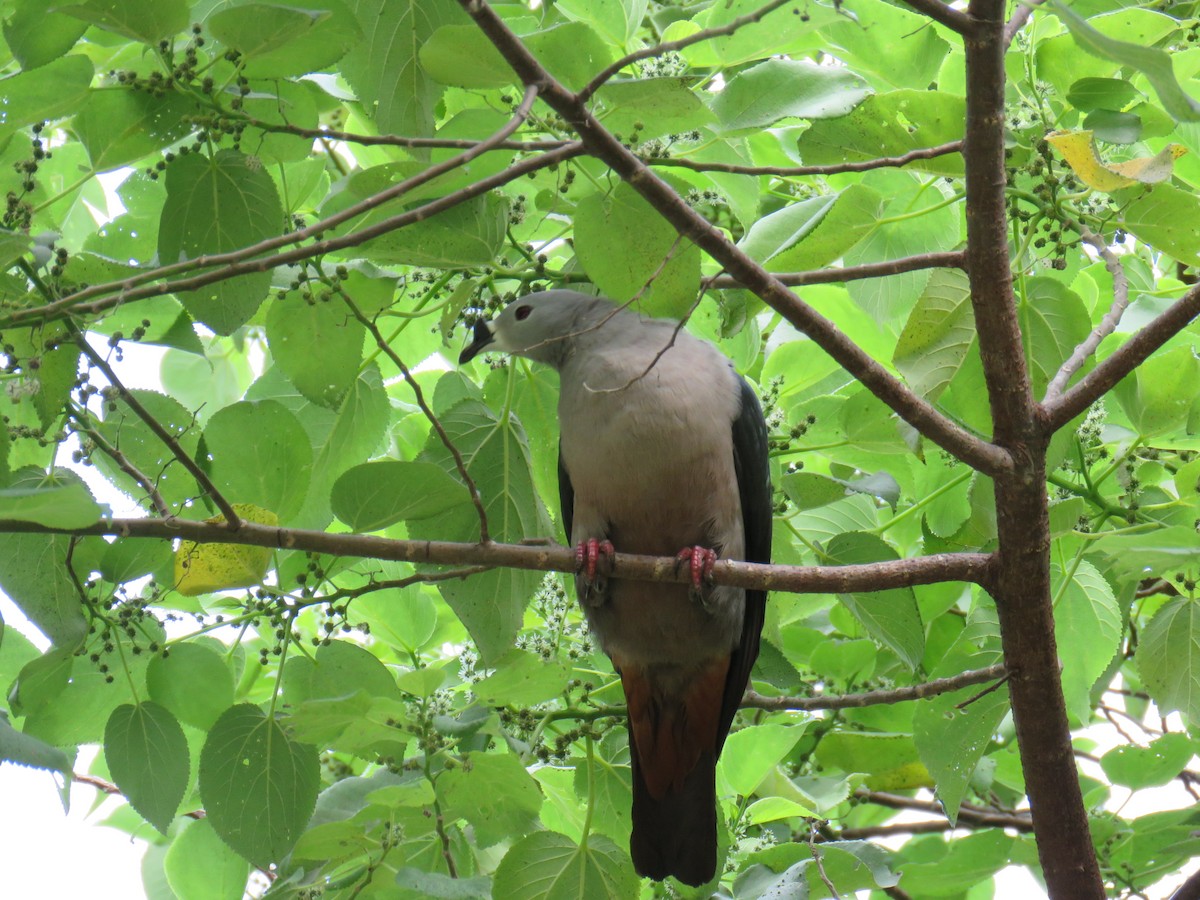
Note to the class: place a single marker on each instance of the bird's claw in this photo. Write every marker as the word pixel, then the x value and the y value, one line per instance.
pixel 588 555
pixel 701 561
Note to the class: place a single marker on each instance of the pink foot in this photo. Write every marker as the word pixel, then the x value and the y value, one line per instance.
pixel 701 560
pixel 588 555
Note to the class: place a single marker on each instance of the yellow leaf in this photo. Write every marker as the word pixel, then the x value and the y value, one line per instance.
pixel 203 568
pixel 1079 150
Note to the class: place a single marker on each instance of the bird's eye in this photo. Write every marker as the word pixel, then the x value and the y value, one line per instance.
pixel 523 312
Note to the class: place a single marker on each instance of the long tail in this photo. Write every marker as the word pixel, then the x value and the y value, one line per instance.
pixel 677 834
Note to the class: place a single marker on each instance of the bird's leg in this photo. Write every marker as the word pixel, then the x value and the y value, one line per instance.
pixel 701 560
pixel 588 555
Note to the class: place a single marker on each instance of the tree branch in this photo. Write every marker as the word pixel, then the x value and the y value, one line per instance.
pixel 754 700
pixel 1105 327
pixel 601 144
pixel 231 517
pixel 953 259
pixel 1123 360
pixel 976 815
pixel 122 461
pixel 545 557
pixel 944 15
pixel 865 165
pixel 459 463
pixel 237 262
pixel 243 263
pixel 670 46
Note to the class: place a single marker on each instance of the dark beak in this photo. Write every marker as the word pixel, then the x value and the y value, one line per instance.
pixel 480 339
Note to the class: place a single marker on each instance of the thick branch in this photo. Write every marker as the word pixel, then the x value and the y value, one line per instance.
pixel 933 688
pixel 865 165
pixel 969 567
pixel 944 15
pixel 604 146
pixel 1123 360
pixel 953 259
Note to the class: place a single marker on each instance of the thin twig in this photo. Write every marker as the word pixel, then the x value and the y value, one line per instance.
pixel 1105 327
pixel 160 431
pixel 126 289
pixel 754 700
pixel 865 165
pixel 459 463
pixel 671 46
pixel 816 855
pixel 1123 360
pixel 122 462
pixel 967 812
pixel 1020 16
pixel 952 259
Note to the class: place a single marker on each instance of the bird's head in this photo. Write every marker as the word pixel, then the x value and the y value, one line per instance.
pixel 539 326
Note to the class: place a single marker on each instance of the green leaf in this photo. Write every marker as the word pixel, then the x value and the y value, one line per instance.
pixel 199 865
pixel 437 886
pixel 968 861
pixel 217 204
pixel 522 679
pixel 867 42
pixel 37 35
pixel 1168 656
pixel 549 866
pixel 23 750
pixel 462 55
pixel 950 740
pixel 147 755
pixel 629 250
pixel 891 616
pixel 938 335
pixel 1102 93
pixel 468 234
pixel 119 127
pixel 317 344
pixel 1087 629
pixel 260 455
pixel 58 500
pixel 787 89
pixel 808 490
pixel 1155 64
pixel 1158 396
pixel 145 450
pixel 49 92
pixel 1151 766
pixel 1159 217
pixel 781 31
pixel 815 232
pixel 377 494
pixel 494 793
pixel 34 575
pixel 617 20
pixel 889 125
pixel 343 668
pixel 752 753
pixel 141 20
pixel 491 604
pixel 659 105
pixel 383 69
pixel 258 786
pixel 891 760
pixel 279 39
pixel 193 681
